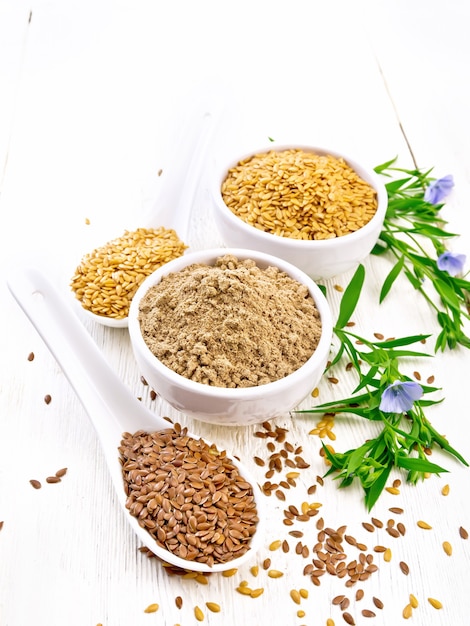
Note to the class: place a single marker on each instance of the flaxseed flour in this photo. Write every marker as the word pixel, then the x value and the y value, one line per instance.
pixel 231 324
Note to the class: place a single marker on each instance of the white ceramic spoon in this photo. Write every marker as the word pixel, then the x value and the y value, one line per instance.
pixel 109 403
pixel 176 191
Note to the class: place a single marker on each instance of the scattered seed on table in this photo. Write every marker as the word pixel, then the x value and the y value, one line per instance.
pixel 417 375
pixel 201 579
pixel 393 490
pixel 430 380
pixel 243 589
pixel 387 555
pixel 369 527
pixel 338 599
pixel 435 603
pixel 407 611
pixel 401 529
pixel 47 398
pixel 31 356
pixel 359 594
pixel 213 606
pixel 275 545
pixel 152 608
pixel 256 593
pixel 424 525
pixel 254 570
pixel 404 568
pixel 35 483
pixel 61 472
pixel 445 490
pixel 463 532
pixel 447 548
pixel 198 614
pixel 396 509
pixel 348 618
pixel 378 603
pixel 229 572
pixel 377 523
pixel 53 479
pixel 413 601
pixel 295 595
pixel 179 602
pixel 275 573
pixel 330 622
pixel 1 525
pixel 367 613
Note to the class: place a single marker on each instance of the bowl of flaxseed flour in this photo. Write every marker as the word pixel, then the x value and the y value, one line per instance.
pixel 230 336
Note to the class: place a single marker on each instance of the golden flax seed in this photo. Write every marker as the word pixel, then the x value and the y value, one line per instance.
pixel 413 601
pixel 424 525
pixel 435 603
pixel 295 595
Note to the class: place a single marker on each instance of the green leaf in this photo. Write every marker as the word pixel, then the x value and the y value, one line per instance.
pixel 418 465
pixel 391 278
pixel 350 297
pixel 395 185
pixel 447 294
pixel 374 491
pixel 379 169
pixel 401 341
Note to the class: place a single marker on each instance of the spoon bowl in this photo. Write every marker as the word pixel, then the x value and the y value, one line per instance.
pixel 110 405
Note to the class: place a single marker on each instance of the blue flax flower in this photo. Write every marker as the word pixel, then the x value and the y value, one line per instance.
pixel 400 396
pixel 439 189
pixel 451 263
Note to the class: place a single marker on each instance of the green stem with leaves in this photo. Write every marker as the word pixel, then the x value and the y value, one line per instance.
pixel 404 441
pixel 411 221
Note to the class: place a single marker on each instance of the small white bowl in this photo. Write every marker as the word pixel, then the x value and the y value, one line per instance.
pixel 231 406
pixel 320 259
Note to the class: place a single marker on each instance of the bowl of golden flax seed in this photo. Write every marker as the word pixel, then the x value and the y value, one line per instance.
pixel 313 207
pixel 230 336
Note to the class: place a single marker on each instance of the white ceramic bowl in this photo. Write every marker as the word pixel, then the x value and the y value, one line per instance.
pixel 231 406
pixel 320 259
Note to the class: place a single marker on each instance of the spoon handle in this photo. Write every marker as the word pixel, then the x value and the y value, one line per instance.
pixel 108 402
pixel 177 190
